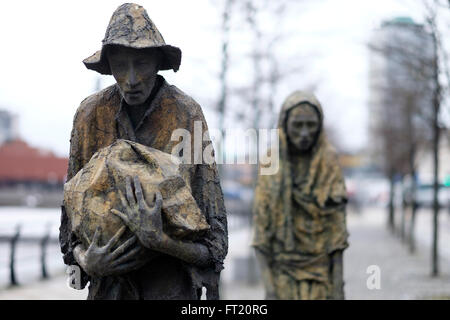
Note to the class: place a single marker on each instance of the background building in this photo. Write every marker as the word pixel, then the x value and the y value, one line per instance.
pixel 8 126
pixel 28 176
pixel 400 96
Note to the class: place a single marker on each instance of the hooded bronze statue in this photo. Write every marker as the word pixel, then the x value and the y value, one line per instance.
pixel 299 212
pixel 126 128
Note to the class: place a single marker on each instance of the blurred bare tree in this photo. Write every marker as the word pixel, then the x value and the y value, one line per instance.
pixel 259 22
pixel 401 91
pixel 253 34
pixel 270 70
pixel 223 95
pixel 441 82
pixel 414 77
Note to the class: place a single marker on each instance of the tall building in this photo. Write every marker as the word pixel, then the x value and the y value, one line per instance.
pixel 400 59
pixel 8 127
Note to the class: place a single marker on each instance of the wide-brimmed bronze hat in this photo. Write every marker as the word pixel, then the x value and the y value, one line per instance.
pixel 130 26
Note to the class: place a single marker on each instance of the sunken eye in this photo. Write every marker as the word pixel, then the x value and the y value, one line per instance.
pixel 303 123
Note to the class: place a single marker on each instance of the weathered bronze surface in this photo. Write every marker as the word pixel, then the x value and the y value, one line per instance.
pixel 299 213
pixel 130 26
pixel 90 196
pixel 182 254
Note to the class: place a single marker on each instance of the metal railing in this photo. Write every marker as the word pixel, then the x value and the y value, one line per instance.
pixel 14 239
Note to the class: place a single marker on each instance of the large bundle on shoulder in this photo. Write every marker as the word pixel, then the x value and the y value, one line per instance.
pixel 91 194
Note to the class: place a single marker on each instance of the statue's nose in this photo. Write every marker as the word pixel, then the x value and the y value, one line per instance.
pixel 304 132
pixel 132 79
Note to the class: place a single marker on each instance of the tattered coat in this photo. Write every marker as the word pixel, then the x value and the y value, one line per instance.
pixel 100 120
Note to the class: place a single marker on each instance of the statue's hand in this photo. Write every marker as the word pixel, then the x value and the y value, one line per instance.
pixel 143 220
pixel 101 261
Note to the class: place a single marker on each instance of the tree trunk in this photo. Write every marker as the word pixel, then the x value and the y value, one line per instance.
pixel 436 107
pixel 402 219
pixel 221 108
pixel 412 239
pixel 391 211
pixel 413 191
pixel 435 259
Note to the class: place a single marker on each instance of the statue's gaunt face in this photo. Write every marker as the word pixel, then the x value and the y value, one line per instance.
pixel 303 125
pixel 135 71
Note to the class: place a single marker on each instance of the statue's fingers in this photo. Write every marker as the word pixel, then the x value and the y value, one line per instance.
pixel 152 198
pixel 88 241
pixel 130 195
pixel 138 191
pixel 121 215
pixel 127 256
pixel 115 238
pixel 123 200
pixel 123 247
pixel 158 202
pixel 96 237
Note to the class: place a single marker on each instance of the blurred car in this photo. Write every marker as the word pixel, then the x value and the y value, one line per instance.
pixel 424 196
pixel 367 190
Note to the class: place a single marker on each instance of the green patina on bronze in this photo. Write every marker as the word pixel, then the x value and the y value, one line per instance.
pixel 299 214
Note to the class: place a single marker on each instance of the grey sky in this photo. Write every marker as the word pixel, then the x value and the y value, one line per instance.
pixel 43 43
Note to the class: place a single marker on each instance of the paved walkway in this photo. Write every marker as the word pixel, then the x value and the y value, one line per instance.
pixel 52 289
pixel 403 276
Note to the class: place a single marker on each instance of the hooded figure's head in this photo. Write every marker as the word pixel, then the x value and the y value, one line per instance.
pixel 301 120
pixel 319 190
pixel 324 180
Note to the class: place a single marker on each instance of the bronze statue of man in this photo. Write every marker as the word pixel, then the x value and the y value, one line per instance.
pixel 299 212
pixel 143 108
